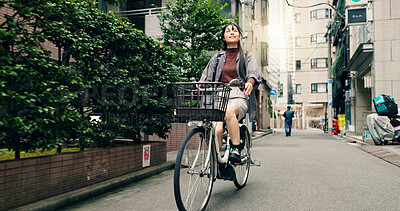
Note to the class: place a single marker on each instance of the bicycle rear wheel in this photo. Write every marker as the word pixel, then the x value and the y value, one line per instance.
pixel 242 170
pixel 194 171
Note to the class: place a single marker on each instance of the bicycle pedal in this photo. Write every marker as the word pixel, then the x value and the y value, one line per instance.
pixel 226 172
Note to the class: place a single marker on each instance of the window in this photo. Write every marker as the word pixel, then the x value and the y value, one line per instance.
pixel 319 87
pixel 280 90
pixel 264 54
pixel 319 63
pixel 318 38
pixel 320 14
pixel 297 40
pixel 139 18
pixel 298 64
pixel 298 17
pixel 298 88
pixel 264 12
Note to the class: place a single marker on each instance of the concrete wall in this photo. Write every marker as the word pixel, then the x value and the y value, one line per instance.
pixel 386 70
pixel 152 29
pixel 29 180
pixel 363 104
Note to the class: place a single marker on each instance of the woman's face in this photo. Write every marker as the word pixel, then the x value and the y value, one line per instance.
pixel 231 36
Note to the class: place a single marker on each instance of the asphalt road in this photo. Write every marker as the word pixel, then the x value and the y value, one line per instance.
pixel 307 171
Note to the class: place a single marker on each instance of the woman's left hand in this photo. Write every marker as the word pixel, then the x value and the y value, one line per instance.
pixel 248 87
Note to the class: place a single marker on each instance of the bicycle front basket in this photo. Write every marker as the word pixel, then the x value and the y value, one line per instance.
pixel 200 101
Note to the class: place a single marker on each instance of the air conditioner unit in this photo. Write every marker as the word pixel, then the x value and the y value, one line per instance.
pixel 347 95
pixel 347 82
pixel 368 82
pixel 352 93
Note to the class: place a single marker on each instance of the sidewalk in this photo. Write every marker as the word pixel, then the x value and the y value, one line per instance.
pixel 389 152
pixel 64 200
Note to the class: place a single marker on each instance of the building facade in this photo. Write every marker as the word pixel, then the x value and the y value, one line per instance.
pixel 287 56
pixel 310 61
pixel 254 19
pixel 370 59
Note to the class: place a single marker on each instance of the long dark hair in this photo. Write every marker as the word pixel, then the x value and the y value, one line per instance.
pixel 234 25
pixel 242 67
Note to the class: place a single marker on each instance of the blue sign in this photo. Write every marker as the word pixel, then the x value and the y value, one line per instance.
pixel 330 81
pixel 273 92
pixel 367 134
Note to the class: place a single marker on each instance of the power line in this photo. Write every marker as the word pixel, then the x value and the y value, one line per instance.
pixel 310 54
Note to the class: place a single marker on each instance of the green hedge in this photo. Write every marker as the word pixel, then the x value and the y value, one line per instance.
pixel 338 61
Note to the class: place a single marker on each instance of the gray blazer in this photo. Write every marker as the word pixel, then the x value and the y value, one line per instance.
pixel 252 71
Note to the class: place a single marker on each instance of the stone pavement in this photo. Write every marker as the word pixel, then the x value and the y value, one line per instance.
pixel 389 152
pixel 64 200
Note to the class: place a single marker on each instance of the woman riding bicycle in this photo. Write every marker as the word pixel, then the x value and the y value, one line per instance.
pixel 225 66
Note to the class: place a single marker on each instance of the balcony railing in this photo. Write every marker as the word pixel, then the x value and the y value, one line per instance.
pixel 141 12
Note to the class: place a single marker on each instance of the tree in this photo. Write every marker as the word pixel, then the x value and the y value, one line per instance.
pixel 42 100
pixel 193 28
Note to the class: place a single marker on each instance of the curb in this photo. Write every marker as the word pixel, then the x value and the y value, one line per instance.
pixel 378 152
pixel 73 197
pixel 383 154
pixel 260 136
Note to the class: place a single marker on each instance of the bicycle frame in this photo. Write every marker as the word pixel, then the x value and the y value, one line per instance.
pixel 210 128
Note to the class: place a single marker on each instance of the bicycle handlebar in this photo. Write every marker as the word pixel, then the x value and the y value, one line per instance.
pixel 234 82
pixel 237 82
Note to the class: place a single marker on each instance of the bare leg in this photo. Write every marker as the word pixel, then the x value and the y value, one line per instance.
pixel 219 128
pixel 233 124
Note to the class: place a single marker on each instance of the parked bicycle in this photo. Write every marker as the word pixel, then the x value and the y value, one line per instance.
pixel 200 160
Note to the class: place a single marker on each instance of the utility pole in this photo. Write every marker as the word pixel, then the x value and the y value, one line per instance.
pixel 330 124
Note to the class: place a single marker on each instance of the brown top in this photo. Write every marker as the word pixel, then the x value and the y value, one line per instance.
pixel 229 70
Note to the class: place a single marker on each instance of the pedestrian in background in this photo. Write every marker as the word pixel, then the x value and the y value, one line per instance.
pixel 288 120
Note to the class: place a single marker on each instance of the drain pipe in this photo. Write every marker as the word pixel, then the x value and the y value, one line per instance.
pixel 243 3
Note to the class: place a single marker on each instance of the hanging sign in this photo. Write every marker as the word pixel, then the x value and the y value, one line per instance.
pixel 356 16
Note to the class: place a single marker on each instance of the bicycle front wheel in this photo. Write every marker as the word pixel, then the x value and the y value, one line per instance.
pixel 242 170
pixel 194 171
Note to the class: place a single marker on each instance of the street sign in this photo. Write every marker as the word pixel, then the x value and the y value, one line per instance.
pixel 273 97
pixel 146 155
pixel 272 92
pixel 356 16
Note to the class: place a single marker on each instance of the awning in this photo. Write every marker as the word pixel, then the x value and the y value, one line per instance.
pixel 361 59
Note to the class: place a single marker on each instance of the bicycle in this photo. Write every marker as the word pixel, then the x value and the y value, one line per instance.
pixel 199 161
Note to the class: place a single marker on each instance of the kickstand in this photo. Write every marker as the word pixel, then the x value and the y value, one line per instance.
pixel 255 162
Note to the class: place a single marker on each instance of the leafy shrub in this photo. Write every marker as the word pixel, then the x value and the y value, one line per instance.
pixel 103 66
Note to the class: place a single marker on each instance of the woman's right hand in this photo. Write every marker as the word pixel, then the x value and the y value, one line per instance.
pixel 248 87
